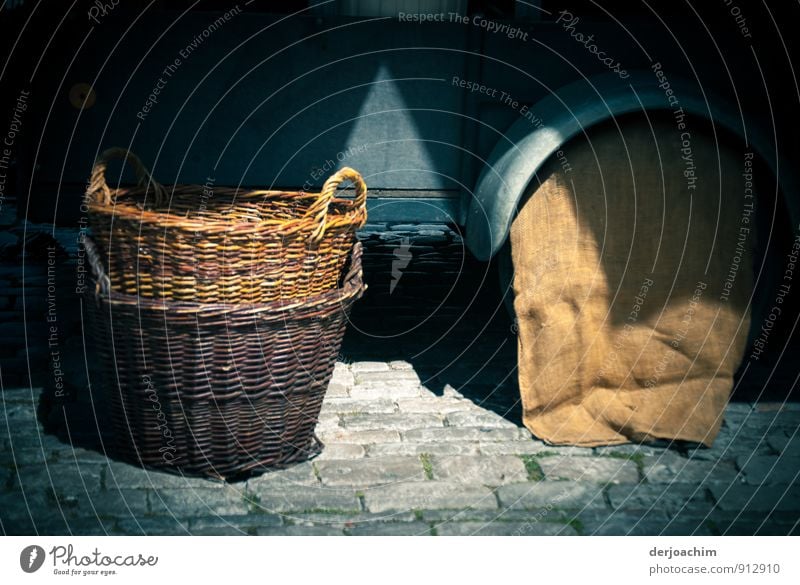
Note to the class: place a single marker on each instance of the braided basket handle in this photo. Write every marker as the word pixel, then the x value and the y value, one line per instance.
pixel 103 286
pixel 99 189
pixel 354 273
pixel 319 210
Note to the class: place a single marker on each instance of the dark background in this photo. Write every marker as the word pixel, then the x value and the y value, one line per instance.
pixel 217 108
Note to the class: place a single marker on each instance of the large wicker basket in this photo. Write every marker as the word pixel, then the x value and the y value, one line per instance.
pixel 216 390
pixel 221 245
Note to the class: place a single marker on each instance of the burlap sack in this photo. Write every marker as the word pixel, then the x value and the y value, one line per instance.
pixel 633 271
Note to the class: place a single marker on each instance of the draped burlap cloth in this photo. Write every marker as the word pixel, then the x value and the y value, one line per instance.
pixel 633 271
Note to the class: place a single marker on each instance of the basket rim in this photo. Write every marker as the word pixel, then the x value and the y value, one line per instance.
pixel 284 309
pixel 99 192
pixel 127 210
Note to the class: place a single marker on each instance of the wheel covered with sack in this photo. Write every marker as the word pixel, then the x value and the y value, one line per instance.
pixel 632 283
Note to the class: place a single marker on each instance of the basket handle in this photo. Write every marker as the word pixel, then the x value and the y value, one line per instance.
pixel 319 210
pixel 354 273
pixel 103 286
pixel 99 189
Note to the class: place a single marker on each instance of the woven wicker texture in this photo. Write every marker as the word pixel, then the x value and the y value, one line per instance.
pixel 221 245
pixel 211 389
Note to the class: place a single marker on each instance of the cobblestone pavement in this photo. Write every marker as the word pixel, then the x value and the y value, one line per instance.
pixel 402 460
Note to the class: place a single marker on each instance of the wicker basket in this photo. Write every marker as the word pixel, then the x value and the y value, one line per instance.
pixel 216 390
pixel 222 245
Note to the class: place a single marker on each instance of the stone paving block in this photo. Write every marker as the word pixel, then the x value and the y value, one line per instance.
pixel 669 467
pixel 122 502
pixel 359 437
pixel 731 443
pixel 123 475
pixel 304 499
pixel 341 382
pixel 20 415
pixel 33 436
pixel 761 424
pixel 353 406
pixel 771 406
pixel 400 365
pixel 437 405
pixel 376 390
pixel 526 447
pixel 758 469
pixel 348 520
pixel 431 435
pixel 491 471
pixel 153 526
pixel 747 443
pixel 195 502
pixel 337 390
pixel 342 373
pixel 720 450
pixel 480 418
pixel 326 427
pixel 567 451
pixel 551 495
pixel 222 530
pixel 22 395
pixel 29 513
pixel 370 471
pixel 388 377
pixel 789 422
pixel 425 495
pixel 88 527
pixel 737 412
pixel 337 451
pixel 64 478
pixel 599 523
pixel 27 456
pixel 68 454
pixel 671 498
pixel 60 525
pixel 362 367
pixel 786 444
pixel 391 529
pixel 390 422
pixel 586 469
pixel 328 418
pixel 18 524
pixel 27 439
pixel 237 525
pixel 628 450
pixel 389 449
pixel 736 497
pixel 299 531
pixel 504 529
pixel 449 392
pixel 520 516
pixel 70 503
pixel 302 474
